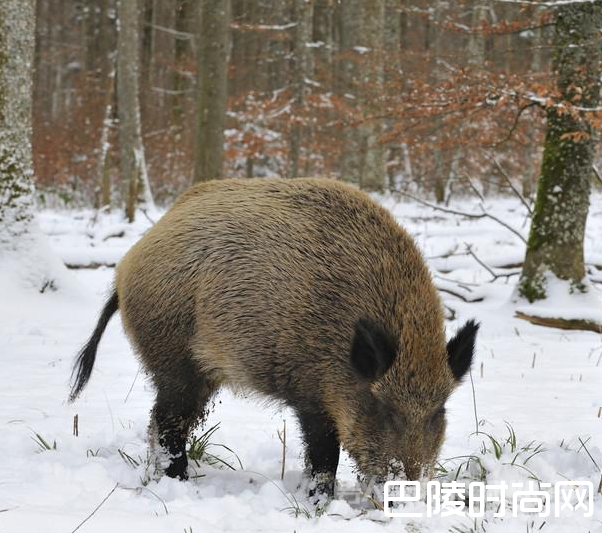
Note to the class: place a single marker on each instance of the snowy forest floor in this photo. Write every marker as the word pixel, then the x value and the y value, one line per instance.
pixel 545 383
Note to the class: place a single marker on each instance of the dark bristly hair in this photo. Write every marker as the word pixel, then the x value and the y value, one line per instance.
pixel 82 369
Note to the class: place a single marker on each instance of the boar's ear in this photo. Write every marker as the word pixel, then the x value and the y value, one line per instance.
pixel 373 349
pixel 460 349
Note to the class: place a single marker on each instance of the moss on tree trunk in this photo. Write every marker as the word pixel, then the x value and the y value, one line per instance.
pixel 17 19
pixel 558 226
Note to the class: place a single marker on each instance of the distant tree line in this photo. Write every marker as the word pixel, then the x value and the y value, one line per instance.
pixel 386 94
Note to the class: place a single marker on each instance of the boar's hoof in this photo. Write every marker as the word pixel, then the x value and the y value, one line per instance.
pixel 321 486
pixel 178 468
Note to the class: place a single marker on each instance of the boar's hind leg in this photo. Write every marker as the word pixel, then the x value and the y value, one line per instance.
pixel 322 452
pixel 181 400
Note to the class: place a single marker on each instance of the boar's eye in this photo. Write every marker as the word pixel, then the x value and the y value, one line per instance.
pixel 460 349
pixel 373 349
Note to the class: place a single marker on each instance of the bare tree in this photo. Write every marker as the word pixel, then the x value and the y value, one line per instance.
pixel 373 28
pixel 132 160
pixel 558 226
pixel 212 88
pixel 303 16
pixel 162 56
pixel 361 42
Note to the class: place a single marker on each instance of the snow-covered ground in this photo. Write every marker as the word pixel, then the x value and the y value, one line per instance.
pixel 545 383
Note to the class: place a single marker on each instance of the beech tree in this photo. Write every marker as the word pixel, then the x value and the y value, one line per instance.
pixel 303 13
pixel 555 244
pixel 17 26
pixel 132 160
pixel 212 88
pixel 25 257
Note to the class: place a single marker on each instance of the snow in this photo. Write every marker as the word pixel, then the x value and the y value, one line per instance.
pixel 566 301
pixel 544 382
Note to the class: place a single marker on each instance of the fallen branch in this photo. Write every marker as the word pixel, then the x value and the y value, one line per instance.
pixel 456 289
pixel 459 295
pixel 561 323
pixel 464 284
pixel 92 266
pixel 484 213
pixel 117 235
pixel 494 276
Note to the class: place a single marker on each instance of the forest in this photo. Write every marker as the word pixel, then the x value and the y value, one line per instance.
pixel 389 94
pixel 474 125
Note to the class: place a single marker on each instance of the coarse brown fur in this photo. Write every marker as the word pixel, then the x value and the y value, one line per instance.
pixel 269 285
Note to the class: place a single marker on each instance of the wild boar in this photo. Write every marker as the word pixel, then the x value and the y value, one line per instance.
pixel 305 291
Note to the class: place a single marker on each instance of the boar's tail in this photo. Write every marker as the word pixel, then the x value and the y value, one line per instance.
pixel 82 369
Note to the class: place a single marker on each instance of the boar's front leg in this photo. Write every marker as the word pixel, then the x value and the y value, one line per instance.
pixel 322 451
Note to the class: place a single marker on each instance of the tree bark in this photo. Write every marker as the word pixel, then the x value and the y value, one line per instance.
pixel 477 42
pixel 163 58
pixel 371 130
pixel 104 168
pixel 350 14
pixel 322 25
pixel 557 232
pixel 303 16
pixel 362 42
pixel 441 159
pixel 212 88
pixel 132 161
pixel 17 30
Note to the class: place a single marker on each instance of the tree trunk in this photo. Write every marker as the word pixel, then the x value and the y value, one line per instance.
pixel 361 43
pixel 184 51
pixel 17 27
pixel 24 251
pixel 303 17
pixel 132 161
pixel 529 177
pixel 441 159
pixel 477 42
pixel 163 58
pixel 371 130
pixel 322 25
pixel 558 226
pixel 212 88
pixel 350 14
pixel 103 172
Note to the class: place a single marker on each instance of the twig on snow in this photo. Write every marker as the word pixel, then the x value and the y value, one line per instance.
pixel 140 489
pixel 96 509
pixel 282 437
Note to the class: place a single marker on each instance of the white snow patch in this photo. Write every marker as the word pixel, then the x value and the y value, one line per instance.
pixel 565 301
